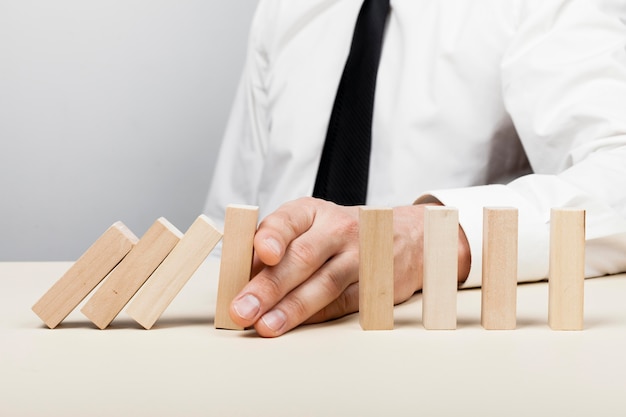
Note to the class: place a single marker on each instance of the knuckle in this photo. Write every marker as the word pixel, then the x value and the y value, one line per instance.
pixel 297 308
pixel 295 217
pixel 303 253
pixel 343 303
pixel 274 221
pixel 347 227
pixel 350 298
pixel 271 285
pixel 307 200
pixel 332 284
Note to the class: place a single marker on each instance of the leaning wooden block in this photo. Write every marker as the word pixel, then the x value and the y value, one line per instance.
pixel 240 225
pixel 499 279
pixel 126 279
pixel 376 268
pixel 85 274
pixel 172 275
pixel 567 269
pixel 441 254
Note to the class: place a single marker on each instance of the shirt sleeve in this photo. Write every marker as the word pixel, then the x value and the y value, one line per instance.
pixel 564 85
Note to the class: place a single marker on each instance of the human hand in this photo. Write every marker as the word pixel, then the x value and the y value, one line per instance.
pixel 306 263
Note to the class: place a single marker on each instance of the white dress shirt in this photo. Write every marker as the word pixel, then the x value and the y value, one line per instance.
pixel 471 95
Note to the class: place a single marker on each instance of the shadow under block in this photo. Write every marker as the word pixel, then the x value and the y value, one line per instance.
pixel 85 274
pixel 441 260
pixel 126 279
pixel 499 278
pixel 240 225
pixel 376 268
pixel 567 269
pixel 174 272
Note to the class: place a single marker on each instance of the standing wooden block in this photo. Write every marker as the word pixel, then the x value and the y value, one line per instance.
pixel 174 272
pixel 126 279
pixel 240 225
pixel 567 269
pixel 441 260
pixel 499 279
pixel 85 274
pixel 376 268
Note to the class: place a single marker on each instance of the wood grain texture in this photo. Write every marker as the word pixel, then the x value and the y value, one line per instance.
pixel 376 268
pixel 240 225
pixel 441 260
pixel 85 274
pixel 499 277
pixel 132 272
pixel 174 272
pixel 567 269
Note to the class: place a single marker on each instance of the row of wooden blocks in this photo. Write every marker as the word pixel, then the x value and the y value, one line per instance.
pixel 148 273
pixel 160 263
pixel 499 268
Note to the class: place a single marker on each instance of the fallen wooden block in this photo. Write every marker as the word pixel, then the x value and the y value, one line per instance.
pixel 499 279
pixel 174 272
pixel 441 258
pixel 567 269
pixel 376 268
pixel 126 279
pixel 240 225
pixel 85 274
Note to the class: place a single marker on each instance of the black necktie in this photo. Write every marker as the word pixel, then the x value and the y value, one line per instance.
pixel 344 168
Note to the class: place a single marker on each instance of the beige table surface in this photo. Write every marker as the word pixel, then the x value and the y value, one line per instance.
pixel 184 367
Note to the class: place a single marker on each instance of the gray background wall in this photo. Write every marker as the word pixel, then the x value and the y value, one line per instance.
pixel 110 110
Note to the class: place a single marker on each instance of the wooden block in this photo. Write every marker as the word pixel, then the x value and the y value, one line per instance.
pixel 376 268
pixel 499 279
pixel 240 225
pixel 441 261
pixel 567 269
pixel 85 274
pixel 174 272
pixel 126 279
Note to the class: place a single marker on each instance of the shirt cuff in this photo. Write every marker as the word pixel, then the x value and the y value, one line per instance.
pixel 533 227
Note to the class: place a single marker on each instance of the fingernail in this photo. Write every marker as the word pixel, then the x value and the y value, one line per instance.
pixel 247 307
pixel 275 320
pixel 273 245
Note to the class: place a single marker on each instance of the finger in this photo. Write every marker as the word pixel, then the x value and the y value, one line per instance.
pixel 304 257
pixel 346 303
pixel 283 226
pixel 325 286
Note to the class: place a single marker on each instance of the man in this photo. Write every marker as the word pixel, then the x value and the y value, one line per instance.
pixel 478 103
